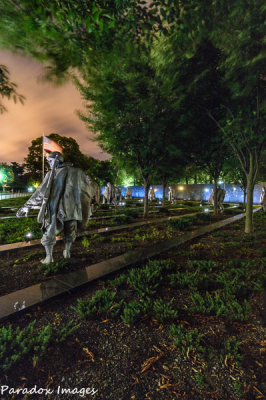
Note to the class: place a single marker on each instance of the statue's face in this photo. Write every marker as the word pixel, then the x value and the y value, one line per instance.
pixel 51 162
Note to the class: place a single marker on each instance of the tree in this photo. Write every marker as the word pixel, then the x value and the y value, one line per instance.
pixel 66 33
pixel 197 89
pixel 20 179
pixel 126 106
pixel 8 89
pixel 240 36
pixel 236 29
pixel 71 153
pixel 6 174
pixel 233 173
pixel 104 171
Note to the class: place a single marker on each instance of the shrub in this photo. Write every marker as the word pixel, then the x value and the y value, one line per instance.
pixel 182 223
pixel 153 233
pixel 14 229
pixel 122 219
pixel 203 265
pixel 104 206
pixel 145 280
pixel 231 347
pixel 118 281
pixel 15 344
pixel 131 213
pixel 164 210
pixel 186 339
pixel 164 311
pixel 204 216
pixel 226 305
pixel 133 311
pixel 100 303
pixel 97 238
pixel 188 279
pixel 233 211
pixel 162 265
pixel 85 242
pixel 119 239
pixel 52 268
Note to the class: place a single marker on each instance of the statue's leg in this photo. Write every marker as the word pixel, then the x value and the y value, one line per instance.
pixel 70 233
pixel 48 241
pixel 49 255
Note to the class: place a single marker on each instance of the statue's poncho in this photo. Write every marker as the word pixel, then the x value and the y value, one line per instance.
pixel 69 199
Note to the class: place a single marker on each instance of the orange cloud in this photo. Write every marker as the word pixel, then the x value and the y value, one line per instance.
pixel 47 109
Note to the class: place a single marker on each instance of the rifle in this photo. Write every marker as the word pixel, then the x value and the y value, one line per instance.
pixel 47 194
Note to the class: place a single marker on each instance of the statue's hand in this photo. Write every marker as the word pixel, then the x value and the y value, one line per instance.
pixel 22 212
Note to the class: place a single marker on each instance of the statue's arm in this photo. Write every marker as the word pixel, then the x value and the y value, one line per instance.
pixel 35 201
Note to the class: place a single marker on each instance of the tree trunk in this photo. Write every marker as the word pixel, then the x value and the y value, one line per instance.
pixel 186 181
pixel 164 184
pixel 195 180
pixel 245 197
pixel 146 201
pixel 249 208
pixel 215 198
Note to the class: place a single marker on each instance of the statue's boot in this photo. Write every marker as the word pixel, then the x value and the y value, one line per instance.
pixel 49 255
pixel 66 252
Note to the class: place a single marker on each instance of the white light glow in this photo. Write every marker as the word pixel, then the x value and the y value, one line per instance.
pixel 28 235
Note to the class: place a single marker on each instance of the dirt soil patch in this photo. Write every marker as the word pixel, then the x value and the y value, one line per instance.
pixel 22 268
pixel 212 356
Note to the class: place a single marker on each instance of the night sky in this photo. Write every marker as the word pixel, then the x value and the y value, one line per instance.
pixel 46 109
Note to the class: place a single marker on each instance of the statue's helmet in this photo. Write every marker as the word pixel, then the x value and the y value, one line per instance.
pixel 55 154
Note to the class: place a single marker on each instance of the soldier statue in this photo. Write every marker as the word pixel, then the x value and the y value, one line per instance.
pixel 151 195
pixel 117 195
pixel 66 199
pixel 108 194
pixel 220 198
pixel 128 195
pixel 170 194
pixel 263 198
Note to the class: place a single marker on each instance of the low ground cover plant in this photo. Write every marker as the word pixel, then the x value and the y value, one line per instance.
pixel 14 202
pixel 15 229
pixel 152 334
pixel 100 303
pixel 17 343
pixel 219 303
pixel 53 268
pixel 182 223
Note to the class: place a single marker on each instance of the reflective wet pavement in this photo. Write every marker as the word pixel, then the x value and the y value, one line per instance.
pixel 24 299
